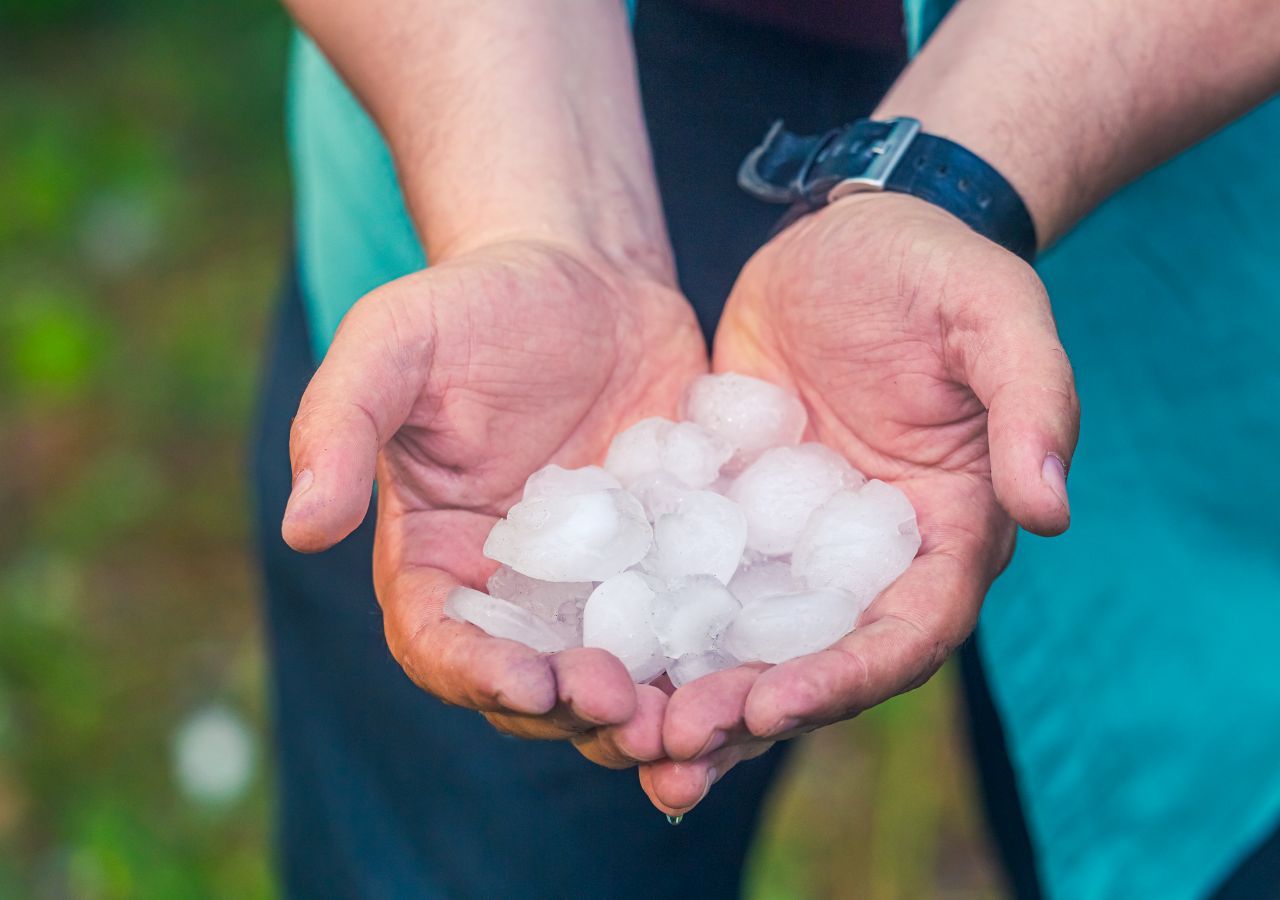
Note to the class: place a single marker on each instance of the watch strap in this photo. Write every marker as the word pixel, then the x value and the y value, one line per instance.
pixel 895 155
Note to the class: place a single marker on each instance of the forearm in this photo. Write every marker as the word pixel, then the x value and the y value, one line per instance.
pixel 1071 100
pixel 505 119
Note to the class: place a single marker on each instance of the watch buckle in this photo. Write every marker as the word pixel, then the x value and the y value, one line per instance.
pixel 886 153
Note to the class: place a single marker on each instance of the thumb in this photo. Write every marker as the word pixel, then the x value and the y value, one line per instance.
pixel 357 400
pixel 1012 359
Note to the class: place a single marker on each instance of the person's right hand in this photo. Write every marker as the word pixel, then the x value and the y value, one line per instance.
pixel 456 383
pixel 928 357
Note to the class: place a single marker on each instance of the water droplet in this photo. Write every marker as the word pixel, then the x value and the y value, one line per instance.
pixel 675 820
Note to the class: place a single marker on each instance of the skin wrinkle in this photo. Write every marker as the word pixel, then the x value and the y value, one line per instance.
pixel 969 455
pixel 613 746
pixel 859 664
pixel 452 656
pixel 411 355
pixel 883 466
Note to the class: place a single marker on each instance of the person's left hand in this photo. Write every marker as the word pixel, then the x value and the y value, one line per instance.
pixel 928 356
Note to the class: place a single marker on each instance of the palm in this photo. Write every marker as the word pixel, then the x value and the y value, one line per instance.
pixel 859 329
pixel 545 361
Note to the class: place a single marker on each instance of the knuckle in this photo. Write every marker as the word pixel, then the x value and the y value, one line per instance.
pixel 598 752
pixel 483 687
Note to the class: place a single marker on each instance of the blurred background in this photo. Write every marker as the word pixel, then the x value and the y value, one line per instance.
pixel 144 211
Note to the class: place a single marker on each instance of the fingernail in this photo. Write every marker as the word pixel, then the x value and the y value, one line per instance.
pixel 1054 474
pixel 675 820
pixel 715 742
pixel 786 723
pixel 301 484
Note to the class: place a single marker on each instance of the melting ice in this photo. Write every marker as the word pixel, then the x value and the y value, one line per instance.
pixel 699 544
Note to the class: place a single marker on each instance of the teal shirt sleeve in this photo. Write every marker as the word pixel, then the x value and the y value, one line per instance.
pixel 352 231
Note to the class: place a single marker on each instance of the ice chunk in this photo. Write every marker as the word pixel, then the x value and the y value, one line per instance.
pixel 693 666
pixel 860 541
pixel 685 450
pixel 572 537
pixel 557 603
pixel 554 481
pixel 637 451
pixel 780 489
pixel 693 454
pixel 717 539
pixel 691 616
pixel 766 578
pixel 617 618
pixel 541 597
pixel 752 415
pixel 659 493
pixel 704 535
pixel 776 629
pixel 567 621
pixel 502 619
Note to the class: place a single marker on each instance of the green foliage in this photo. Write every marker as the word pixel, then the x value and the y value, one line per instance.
pixel 145 204
pixel 54 344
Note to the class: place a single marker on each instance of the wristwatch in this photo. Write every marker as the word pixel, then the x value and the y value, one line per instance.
pixel 810 172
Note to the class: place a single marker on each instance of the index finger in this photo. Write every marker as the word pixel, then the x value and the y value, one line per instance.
pixel 456 661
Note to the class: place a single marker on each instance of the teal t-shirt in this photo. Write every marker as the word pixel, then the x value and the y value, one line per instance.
pixel 1133 660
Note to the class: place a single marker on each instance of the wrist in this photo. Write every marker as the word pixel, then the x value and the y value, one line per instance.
pixel 1008 153
pixel 555 186
pixel 612 233
pixel 602 226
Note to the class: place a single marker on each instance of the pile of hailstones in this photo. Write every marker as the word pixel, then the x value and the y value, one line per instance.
pixel 700 544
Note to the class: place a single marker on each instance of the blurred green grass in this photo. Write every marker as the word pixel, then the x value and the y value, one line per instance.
pixel 143 226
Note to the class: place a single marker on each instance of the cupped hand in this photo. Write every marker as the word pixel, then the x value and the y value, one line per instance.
pixel 928 356
pixel 455 384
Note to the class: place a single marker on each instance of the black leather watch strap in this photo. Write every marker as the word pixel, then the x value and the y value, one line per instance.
pixel 810 172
